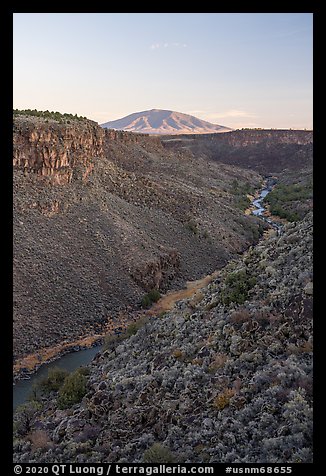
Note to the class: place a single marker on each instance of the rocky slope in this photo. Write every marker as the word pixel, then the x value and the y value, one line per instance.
pixel 224 377
pixel 102 216
pixel 161 121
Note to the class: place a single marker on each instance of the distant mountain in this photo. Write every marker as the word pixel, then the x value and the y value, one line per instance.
pixel 160 121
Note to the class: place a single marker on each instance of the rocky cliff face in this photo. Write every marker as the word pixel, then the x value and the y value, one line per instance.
pixel 245 138
pixel 219 379
pixel 66 151
pixel 158 273
pixel 248 137
pixel 58 151
pixel 131 138
pixel 267 151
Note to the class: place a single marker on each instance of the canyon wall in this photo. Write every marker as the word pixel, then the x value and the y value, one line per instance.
pixel 102 217
pixel 48 148
pixel 268 151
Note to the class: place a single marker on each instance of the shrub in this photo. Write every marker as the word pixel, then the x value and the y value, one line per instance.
pixel 192 226
pixel 217 363
pixel 256 231
pixel 72 390
pixel 237 286
pixel 240 316
pixel 84 370
pixel 23 417
pixel 223 399
pixel 197 361
pixel 53 381
pixel 281 212
pixel 240 192
pixel 135 326
pixel 211 305
pixel 57 116
pixel 39 439
pixel 283 200
pixel 158 453
pixel 149 298
pixel 111 340
pixel 177 354
pixel 242 202
pixel 205 235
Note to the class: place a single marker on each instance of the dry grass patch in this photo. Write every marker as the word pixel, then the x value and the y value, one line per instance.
pixel 178 354
pixel 240 316
pixel 196 299
pixel 218 362
pixel 222 400
pixel 39 439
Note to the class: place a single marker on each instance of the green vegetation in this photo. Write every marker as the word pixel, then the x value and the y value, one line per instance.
pixel 257 231
pixel 283 200
pixel 72 390
pixel 192 226
pixel 57 116
pixel 158 453
pixel 248 227
pixel 240 192
pixel 23 417
pixel 149 298
pixel 135 326
pixel 197 230
pixel 52 382
pixel 111 340
pixel 237 286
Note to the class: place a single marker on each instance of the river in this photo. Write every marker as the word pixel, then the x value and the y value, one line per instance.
pixel 259 209
pixel 71 361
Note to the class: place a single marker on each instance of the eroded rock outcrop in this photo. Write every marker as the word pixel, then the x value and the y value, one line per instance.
pixel 55 150
pixel 158 273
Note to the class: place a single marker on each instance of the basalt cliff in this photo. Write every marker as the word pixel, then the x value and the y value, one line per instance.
pixel 272 151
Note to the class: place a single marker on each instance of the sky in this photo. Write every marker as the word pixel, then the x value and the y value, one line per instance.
pixel 234 69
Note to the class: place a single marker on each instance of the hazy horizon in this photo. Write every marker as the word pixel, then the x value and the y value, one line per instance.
pixel 233 69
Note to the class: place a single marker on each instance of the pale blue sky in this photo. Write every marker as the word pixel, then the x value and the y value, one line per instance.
pixel 234 69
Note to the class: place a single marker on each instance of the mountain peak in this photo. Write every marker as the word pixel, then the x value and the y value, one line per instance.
pixel 163 121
